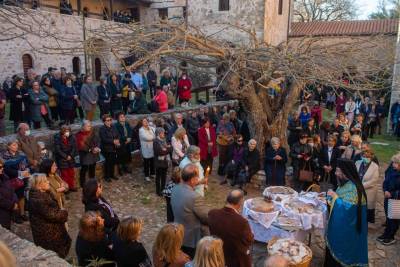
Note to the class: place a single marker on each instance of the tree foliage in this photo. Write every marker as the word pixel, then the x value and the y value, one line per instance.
pixel 324 10
pixel 387 10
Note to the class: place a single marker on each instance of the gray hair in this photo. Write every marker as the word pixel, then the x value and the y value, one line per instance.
pixel 252 141
pixel 275 141
pixel 178 115
pixel 396 158
pixel 21 125
pixel 159 130
pixel 86 122
pixel 192 150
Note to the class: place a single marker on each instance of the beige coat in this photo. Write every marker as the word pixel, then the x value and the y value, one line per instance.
pixel 371 182
pixel 55 183
pixel 30 147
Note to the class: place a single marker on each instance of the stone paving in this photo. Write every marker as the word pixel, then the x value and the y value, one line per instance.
pixel 130 195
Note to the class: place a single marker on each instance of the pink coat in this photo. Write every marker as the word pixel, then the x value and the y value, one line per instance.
pixel 162 100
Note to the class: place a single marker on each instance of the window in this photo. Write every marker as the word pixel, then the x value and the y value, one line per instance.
pixel 184 12
pixel 76 65
pixel 223 5
pixel 135 12
pixel 280 7
pixel 105 13
pixel 27 63
pixel 163 13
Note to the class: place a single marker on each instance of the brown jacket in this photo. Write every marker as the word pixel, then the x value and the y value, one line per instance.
pixel 30 147
pixel 55 183
pixel 235 232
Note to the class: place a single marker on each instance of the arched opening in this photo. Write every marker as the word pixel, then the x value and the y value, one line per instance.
pixel 76 65
pixel 27 63
pixel 97 68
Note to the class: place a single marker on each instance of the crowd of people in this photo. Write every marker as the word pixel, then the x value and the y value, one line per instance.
pixel 334 156
pixel 58 97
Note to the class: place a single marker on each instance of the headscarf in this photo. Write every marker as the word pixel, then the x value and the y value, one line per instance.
pixel 350 171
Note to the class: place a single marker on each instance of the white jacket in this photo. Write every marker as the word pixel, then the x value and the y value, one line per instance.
pixel 147 137
pixel 177 146
pixel 371 182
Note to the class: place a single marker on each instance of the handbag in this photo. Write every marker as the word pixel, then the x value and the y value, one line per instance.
pixel 325 185
pixel 16 183
pixel 306 175
pixel 394 209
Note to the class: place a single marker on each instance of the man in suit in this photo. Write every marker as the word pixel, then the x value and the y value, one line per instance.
pixel 189 209
pixel 327 161
pixel 233 229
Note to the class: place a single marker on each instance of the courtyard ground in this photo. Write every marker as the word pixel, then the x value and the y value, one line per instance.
pixel 131 196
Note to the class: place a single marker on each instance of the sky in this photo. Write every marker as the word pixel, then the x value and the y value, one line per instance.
pixel 366 7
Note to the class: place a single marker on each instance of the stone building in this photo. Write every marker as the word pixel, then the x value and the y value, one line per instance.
pixel 72 24
pixel 268 19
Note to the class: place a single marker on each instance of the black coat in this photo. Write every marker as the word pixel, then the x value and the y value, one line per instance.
pixel 7 201
pixel 63 150
pixel 16 111
pixel 300 149
pixel 124 151
pixel 252 160
pixel 275 170
pixel 324 161
pixel 110 222
pixel 129 253
pixel 87 251
pixel 104 95
pixel 107 137
pixel 294 131
pixel 161 152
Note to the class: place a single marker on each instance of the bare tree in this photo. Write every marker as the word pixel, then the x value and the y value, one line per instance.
pixel 324 10
pixel 247 73
pixel 387 10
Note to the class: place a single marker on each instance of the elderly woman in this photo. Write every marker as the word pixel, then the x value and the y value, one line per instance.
pixel 88 148
pixel 161 158
pixel 125 140
pixel 109 140
pixel 236 160
pixel 57 186
pixel 46 218
pixel 275 163
pixel 369 175
pixel 225 133
pixel 147 136
pixel 207 144
pixel 16 167
pixel 93 200
pixel 180 144
pixel 65 152
pixel 92 242
pixel 116 94
pixel 391 189
pixel 8 199
pixel 301 154
pixel 193 157
pixel 89 97
pixel 354 149
pixel 38 107
pixel 251 162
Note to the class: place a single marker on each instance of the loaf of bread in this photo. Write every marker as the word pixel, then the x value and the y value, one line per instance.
pixel 259 204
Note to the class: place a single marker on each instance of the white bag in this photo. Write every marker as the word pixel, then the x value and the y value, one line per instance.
pixel 394 209
pixel 131 95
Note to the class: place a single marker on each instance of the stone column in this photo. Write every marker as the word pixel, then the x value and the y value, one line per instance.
pixel 395 94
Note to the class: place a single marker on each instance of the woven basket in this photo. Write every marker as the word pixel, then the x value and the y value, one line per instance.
pixel 306 261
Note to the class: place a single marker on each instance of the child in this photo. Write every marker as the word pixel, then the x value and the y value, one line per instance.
pixel 175 179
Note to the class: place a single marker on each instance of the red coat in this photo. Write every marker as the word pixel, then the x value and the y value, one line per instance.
pixel 317 112
pixel 162 101
pixel 184 94
pixel 203 142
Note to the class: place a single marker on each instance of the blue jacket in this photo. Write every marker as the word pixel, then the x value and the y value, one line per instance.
pixel 304 118
pixel 67 98
pixel 392 182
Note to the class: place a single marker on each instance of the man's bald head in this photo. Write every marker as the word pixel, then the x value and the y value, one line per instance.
pixel 276 261
pixel 235 197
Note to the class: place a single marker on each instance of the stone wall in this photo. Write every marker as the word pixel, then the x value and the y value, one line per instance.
pixel 28 254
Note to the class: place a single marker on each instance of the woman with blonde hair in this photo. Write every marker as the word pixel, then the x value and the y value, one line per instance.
pixel 128 251
pixel 209 253
pixel 47 219
pixel 167 248
pixel 180 144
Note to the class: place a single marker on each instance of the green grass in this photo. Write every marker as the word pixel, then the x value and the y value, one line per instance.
pixel 384 153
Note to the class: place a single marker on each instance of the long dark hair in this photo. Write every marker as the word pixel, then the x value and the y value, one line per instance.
pixel 89 191
pixel 350 171
pixel 45 166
